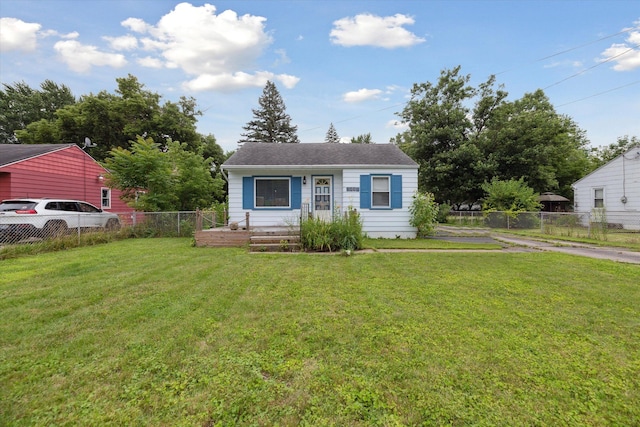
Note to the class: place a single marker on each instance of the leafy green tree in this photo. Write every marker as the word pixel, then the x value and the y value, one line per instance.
pixel 527 138
pixel 271 123
pixel 462 136
pixel 114 119
pixel 332 135
pixel 607 153
pixel 143 174
pixel 440 133
pixel 365 138
pixel 152 179
pixel 194 186
pixel 21 105
pixel 510 196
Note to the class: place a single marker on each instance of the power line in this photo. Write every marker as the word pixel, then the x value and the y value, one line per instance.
pixel 600 93
pixel 570 49
pixel 591 68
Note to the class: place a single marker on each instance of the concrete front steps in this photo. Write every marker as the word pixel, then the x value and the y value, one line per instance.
pixel 275 240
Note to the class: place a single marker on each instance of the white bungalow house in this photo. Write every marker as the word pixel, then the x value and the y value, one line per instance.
pixel 613 190
pixel 280 183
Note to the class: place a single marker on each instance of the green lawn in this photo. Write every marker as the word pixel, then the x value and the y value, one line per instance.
pixel 156 332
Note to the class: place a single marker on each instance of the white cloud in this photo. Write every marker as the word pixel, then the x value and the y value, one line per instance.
pixel 395 124
pixel 220 50
pixel 136 24
pixel 361 95
pixel 81 58
pixel 629 52
pixel 16 34
pixel 122 43
pixel 282 57
pixel 150 62
pixel 372 30
pixel 229 82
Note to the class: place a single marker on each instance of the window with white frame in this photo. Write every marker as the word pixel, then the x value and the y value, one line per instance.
pixel 380 192
pixel 105 198
pixel 598 197
pixel 273 192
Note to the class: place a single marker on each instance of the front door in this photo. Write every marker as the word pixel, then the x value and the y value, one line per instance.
pixel 322 198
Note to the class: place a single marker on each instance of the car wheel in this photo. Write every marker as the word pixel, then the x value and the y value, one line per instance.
pixel 112 225
pixel 55 229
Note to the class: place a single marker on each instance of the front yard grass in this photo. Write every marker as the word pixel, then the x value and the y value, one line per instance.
pixel 426 243
pixel 156 332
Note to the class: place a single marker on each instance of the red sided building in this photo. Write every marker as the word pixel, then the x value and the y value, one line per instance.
pixel 61 171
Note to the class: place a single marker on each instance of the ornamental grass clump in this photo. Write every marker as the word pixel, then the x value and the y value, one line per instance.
pixel 344 232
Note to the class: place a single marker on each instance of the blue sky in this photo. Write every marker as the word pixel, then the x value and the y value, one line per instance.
pixel 350 63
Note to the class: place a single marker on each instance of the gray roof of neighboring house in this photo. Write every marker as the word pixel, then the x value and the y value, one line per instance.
pixel 319 154
pixel 12 153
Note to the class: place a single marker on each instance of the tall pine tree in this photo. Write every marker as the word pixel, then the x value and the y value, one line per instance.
pixel 271 123
pixel 332 135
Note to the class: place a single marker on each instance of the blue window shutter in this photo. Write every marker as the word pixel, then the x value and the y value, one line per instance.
pixel 365 191
pixel 247 192
pixel 396 191
pixel 296 192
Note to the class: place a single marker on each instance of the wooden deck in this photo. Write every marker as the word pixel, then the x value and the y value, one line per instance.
pixel 257 239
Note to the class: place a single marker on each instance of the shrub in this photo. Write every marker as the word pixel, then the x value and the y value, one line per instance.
pixel 343 233
pixel 424 213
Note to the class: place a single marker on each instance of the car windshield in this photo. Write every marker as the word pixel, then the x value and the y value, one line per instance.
pixel 16 205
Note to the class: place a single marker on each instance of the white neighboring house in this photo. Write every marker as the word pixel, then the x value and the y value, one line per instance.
pixel 612 189
pixel 279 183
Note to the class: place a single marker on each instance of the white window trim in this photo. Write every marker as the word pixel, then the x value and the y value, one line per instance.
pixel 270 178
pixel 102 205
pixel 593 198
pixel 388 205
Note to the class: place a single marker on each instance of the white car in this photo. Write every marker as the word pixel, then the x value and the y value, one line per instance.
pixel 42 218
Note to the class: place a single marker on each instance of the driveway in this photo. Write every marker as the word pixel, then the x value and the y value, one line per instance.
pixel 592 251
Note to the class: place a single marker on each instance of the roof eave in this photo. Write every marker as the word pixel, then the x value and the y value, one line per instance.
pixel 349 166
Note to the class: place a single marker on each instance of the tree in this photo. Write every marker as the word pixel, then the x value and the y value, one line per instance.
pixel 114 119
pixel 510 196
pixel 438 138
pixel 603 155
pixel 271 123
pixel 463 136
pixel 152 179
pixel 332 135
pixel 365 138
pixel 527 138
pixel 21 105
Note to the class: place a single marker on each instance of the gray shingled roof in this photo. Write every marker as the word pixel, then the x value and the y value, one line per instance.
pixel 319 154
pixel 11 153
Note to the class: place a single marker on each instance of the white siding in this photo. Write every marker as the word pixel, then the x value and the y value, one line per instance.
pixel 273 217
pixel 388 223
pixel 620 177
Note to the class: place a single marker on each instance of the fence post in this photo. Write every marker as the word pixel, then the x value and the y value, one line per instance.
pixel 246 215
pixel 198 219
pixel 541 222
pixel 178 223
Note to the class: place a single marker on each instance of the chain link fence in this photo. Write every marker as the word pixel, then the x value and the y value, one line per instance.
pixel 21 229
pixel 593 224
pixel 38 228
